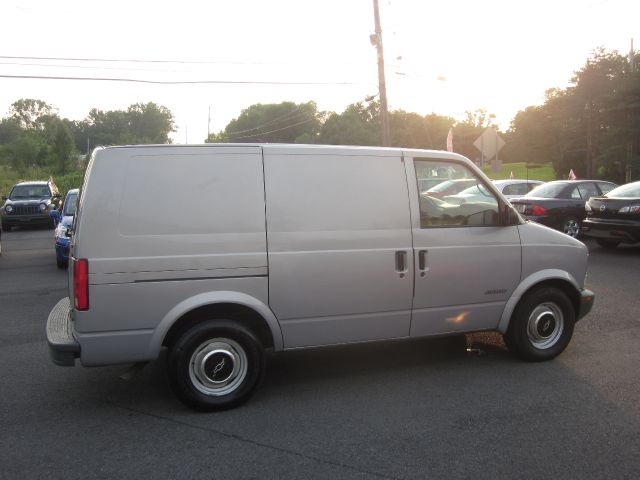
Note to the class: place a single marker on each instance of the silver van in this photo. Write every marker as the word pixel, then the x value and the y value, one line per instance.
pixel 221 253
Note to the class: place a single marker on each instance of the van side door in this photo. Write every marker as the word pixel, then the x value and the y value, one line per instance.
pixel 339 244
pixel 467 264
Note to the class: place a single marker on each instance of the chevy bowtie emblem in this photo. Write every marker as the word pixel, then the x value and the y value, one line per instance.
pixel 218 367
pixel 602 208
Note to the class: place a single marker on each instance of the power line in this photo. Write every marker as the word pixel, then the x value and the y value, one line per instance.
pixel 184 62
pixel 274 131
pixel 177 82
pixel 275 120
pixel 88 67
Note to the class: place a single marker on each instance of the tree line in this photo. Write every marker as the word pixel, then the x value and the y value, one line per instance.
pixel 34 136
pixel 592 126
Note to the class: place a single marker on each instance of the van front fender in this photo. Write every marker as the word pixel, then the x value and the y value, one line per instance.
pixel 212 298
pixel 526 284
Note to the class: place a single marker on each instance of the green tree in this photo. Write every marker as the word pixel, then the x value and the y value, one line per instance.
pixel 585 127
pixel 359 124
pixel 61 147
pixel 29 113
pixel 149 123
pixel 286 122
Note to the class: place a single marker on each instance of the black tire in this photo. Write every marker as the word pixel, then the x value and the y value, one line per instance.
pixel 541 325
pixel 571 226
pixel 215 365
pixel 607 243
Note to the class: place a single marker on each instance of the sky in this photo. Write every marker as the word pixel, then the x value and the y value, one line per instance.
pixel 446 57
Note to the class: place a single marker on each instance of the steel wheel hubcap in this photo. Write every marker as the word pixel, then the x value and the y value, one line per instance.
pixel 572 228
pixel 218 366
pixel 545 325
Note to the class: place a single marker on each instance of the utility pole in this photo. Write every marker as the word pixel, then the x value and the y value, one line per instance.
pixel 630 117
pixel 376 40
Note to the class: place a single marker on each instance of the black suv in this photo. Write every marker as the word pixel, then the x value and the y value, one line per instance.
pixel 30 203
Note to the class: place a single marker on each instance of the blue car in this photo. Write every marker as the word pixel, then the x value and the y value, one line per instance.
pixel 63 220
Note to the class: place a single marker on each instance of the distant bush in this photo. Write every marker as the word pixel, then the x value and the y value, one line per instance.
pixel 8 178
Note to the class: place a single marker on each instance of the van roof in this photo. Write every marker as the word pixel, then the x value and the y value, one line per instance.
pixel 289 148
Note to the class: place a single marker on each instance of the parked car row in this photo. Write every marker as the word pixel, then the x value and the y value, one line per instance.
pixel 590 208
pixel 561 204
pixel 63 220
pixel 39 203
pixel 29 203
pixel 614 218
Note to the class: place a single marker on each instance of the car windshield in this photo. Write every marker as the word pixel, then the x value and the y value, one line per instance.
pixel 630 190
pixel 29 191
pixel 70 204
pixel 548 190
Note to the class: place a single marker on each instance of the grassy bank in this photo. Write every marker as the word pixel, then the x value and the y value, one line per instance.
pixel 545 172
pixel 8 178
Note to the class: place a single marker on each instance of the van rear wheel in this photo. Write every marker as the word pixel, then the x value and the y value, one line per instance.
pixel 215 365
pixel 541 326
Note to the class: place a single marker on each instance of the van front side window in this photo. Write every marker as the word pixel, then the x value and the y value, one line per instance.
pixel 457 197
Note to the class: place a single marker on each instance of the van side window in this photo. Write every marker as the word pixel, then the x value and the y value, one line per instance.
pixel 459 199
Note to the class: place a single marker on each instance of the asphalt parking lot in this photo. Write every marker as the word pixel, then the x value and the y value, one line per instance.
pixel 420 409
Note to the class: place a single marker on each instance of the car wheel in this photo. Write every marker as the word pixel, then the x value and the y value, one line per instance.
pixel 215 365
pixel 571 226
pixel 607 243
pixel 541 326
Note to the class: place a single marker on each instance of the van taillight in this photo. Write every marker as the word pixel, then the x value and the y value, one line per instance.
pixel 81 284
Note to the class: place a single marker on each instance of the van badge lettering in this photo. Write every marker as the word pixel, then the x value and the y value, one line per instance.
pixel 497 291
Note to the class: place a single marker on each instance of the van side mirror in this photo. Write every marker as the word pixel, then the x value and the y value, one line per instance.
pixel 509 216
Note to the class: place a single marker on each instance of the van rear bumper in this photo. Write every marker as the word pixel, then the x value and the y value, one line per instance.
pixel 63 347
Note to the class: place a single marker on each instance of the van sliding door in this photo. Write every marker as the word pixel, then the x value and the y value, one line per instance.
pixel 339 245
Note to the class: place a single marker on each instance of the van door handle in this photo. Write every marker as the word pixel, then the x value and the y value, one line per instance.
pixel 422 262
pixel 401 262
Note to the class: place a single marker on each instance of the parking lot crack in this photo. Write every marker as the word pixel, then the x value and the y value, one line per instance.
pixel 249 441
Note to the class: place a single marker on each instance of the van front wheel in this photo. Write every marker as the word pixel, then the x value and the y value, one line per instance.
pixel 541 326
pixel 215 365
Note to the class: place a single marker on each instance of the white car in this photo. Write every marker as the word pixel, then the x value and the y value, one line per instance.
pixel 510 188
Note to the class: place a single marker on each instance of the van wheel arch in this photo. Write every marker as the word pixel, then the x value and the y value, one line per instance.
pixel 243 315
pixel 566 287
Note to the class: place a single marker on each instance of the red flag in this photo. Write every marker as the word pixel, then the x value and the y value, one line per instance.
pixel 450 140
pixel 572 176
